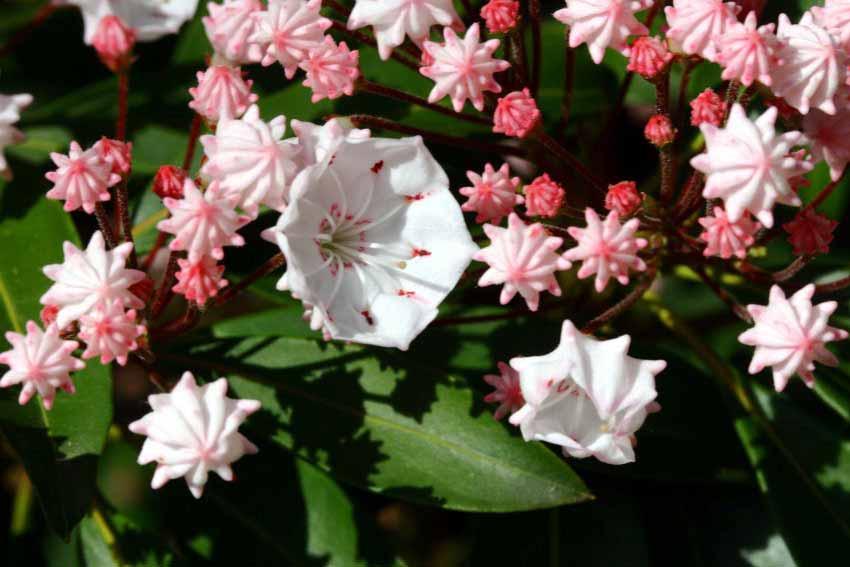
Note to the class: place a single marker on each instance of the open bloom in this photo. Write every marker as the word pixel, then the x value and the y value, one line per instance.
pixel 463 68
pixel 500 15
pixel 524 258
pixel 708 107
pixel 10 113
pixel 810 232
pixel 221 93
pixel 229 28
pixel 748 166
pixel 493 194
pixel 812 65
pixel 86 279
pixel 725 238
pixel 251 162
pixel 110 332
pixel 748 53
pixel 543 197
pixel 331 70
pixel 290 29
pixel 606 248
pixel 41 362
pixel 200 280
pixel 830 138
pixel 588 396
pixel 393 20
pixel 507 394
pixel 790 335
pixel 695 25
pixel 203 223
pixel 149 19
pixel 82 178
pixel 602 23
pixel 374 240
pixel 516 114
pixel 194 430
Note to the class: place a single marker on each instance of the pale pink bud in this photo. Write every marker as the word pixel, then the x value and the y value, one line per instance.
pixel 114 43
pixel 516 114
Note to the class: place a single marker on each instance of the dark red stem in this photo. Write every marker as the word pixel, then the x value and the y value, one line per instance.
pixel 367 86
pixel 194 133
pixel 270 266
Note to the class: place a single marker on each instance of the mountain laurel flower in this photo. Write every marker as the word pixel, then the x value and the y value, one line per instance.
pixel 493 194
pixel 588 396
pixel 116 152
pixel 543 197
pixel 524 258
pixel 747 165
pixel 169 181
pixel 374 240
pixel 10 114
pixel 203 223
pixel 110 332
pixel 602 24
pixel 812 65
pixel 149 19
pixel 810 232
pixel 82 178
pixel 516 114
pixel 41 361
pixel 250 160
pixel 659 130
pixel 290 29
pixel 393 20
pixel 331 70
pixel 507 394
pixel 500 15
pixel 695 25
pixel 830 138
pixel 114 43
pixel 200 280
pixel 463 69
pixel 221 93
pixel 317 143
pixel 790 335
pixel 708 108
pixel 748 53
pixel 230 27
pixel 192 431
pixel 624 198
pixel 648 56
pixel 834 15
pixel 725 238
pixel 606 248
pixel 86 279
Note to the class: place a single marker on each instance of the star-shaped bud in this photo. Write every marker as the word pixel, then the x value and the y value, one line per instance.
pixel 507 394
pixel 221 93
pixel 500 15
pixel 648 56
pixel 200 280
pixel 624 198
pixel 543 197
pixel 748 53
pixel 707 108
pixel 725 238
pixel 331 70
pixel 493 194
pixel 192 431
pixel 695 25
pixel 516 114
pixel 290 29
pixel 810 232
pixel 110 332
pixel 523 258
pixel 229 28
pixel 82 178
pixel 602 24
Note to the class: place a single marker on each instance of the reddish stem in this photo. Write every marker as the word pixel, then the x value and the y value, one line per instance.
pixel 105 225
pixel 536 45
pixel 367 86
pixel 194 133
pixel 832 287
pixel 165 293
pixel 161 238
pixel 123 92
pixel 662 107
pixel 825 193
pixel 724 296
pixel 363 38
pixel 565 156
pixel 179 326
pixel 618 309
pixel 272 264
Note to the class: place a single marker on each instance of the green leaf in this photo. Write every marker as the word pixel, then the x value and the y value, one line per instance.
pixel 58 448
pixel 379 421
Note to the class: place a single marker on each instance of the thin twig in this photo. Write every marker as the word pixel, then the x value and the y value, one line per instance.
pixel 365 39
pixel 738 309
pixel 123 93
pixel 561 153
pixel 367 86
pixel 194 132
pixel 536 45
pixel 269 266
pixel 105 225
pixel 618 309
pixel 164 293
pixel 662 107
pixel 569 80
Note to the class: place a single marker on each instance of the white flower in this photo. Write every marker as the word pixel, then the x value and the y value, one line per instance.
pixel 251 161
pixel 194 430
pixel 748 165
pixel 90 278
pixel 812 68
pixel 602 23
pixel 374 240
pixel 10 113
pixel 150 19
pixel 392 20
pixel 588 396
pixel 318 142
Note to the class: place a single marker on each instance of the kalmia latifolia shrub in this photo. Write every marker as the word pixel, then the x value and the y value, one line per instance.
pixel 568 209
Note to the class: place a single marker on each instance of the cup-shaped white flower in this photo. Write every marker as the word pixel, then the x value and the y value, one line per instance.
pixel 249 159
pixel 588 396
pixel 10 113
pixel 86 279
pixel 149 19
pixel 194 430
pixel 748 165
pixel 374 240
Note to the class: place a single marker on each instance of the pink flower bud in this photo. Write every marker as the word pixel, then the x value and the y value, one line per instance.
pixel 543 197
pixel 659 130
pixel 707 108
pixel 114 43
pixel 648 57
pixel 810 232
pixel 168 182
pixel 623 198
pixel 500 15
pixel 116 152
pixel 48 314
pixel 516 114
